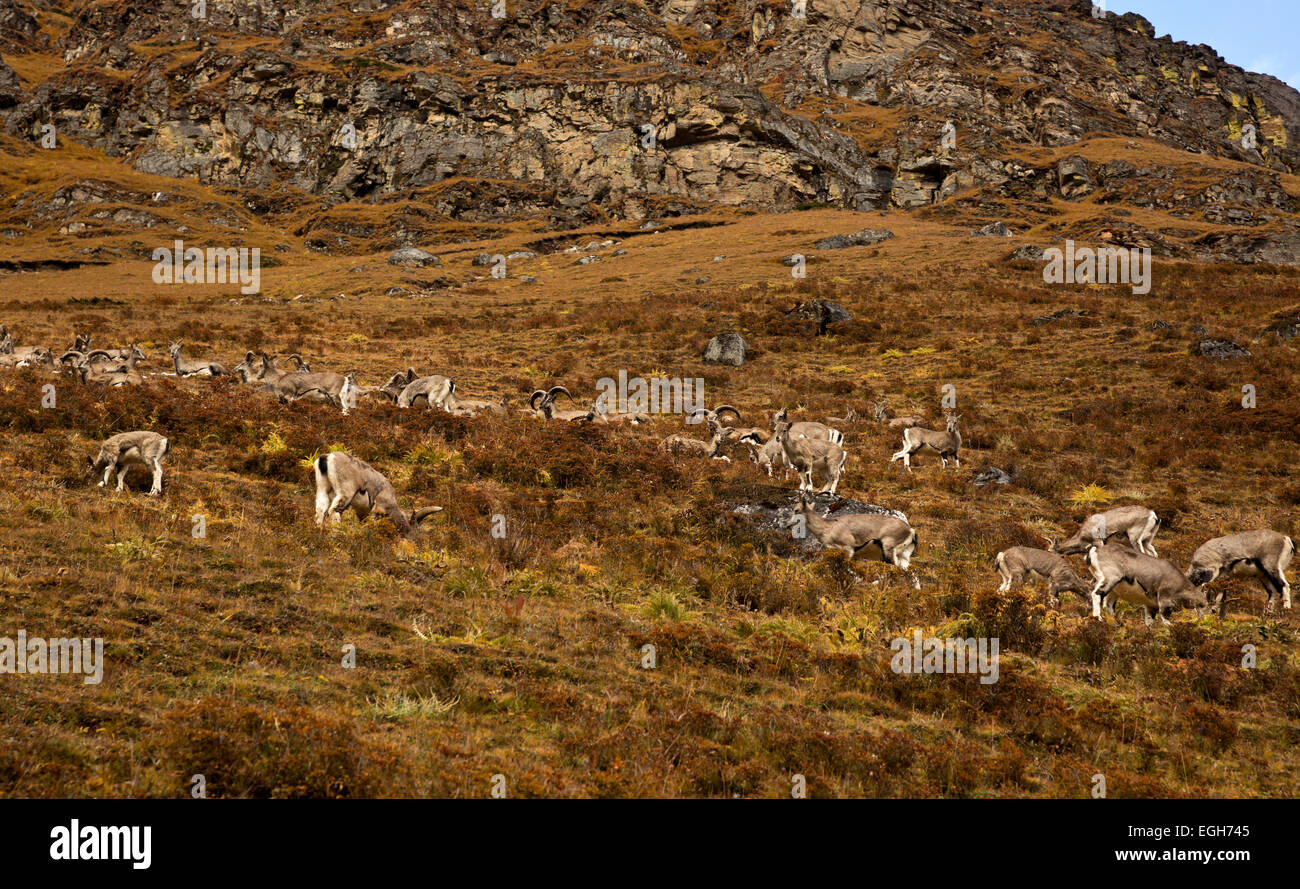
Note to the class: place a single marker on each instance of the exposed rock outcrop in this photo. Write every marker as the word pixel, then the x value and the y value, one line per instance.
pixel 726 348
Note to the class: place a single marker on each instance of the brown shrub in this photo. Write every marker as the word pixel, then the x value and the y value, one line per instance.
pixel 1216 729
pixel 284 751
pixel 1014 617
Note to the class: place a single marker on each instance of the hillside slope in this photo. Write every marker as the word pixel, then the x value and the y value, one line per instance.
pixel 524 655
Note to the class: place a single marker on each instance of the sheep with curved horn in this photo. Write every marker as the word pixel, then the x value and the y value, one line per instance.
pixel 106 361
pixel 734 433
pixel 546 406
pixel 715 415
pixel 120 376
pixel 111 354
pixel 533 410
pixel 72 360
pixel 344 481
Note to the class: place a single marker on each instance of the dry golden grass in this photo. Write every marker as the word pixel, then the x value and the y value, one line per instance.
pixel 477 656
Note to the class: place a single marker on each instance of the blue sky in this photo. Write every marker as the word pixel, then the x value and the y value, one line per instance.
pixel 1258 35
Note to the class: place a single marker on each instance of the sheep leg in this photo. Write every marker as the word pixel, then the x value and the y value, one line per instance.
pixel 337 505
pixel 1096 598
pixel 322 500
pixel 1148 544
pixel 1271 586
pixel 1110 606
pixel 826 475
pixel 904 455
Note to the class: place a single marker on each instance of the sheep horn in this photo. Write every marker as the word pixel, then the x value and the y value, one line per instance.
pixel 423 513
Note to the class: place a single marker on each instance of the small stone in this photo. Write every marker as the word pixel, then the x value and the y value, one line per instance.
pixel 413 257
pixel 991 475
pixel 992 230
pixel 864 238
pixel 1221 349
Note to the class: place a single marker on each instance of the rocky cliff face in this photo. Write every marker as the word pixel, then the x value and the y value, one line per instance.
pixel 582 110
